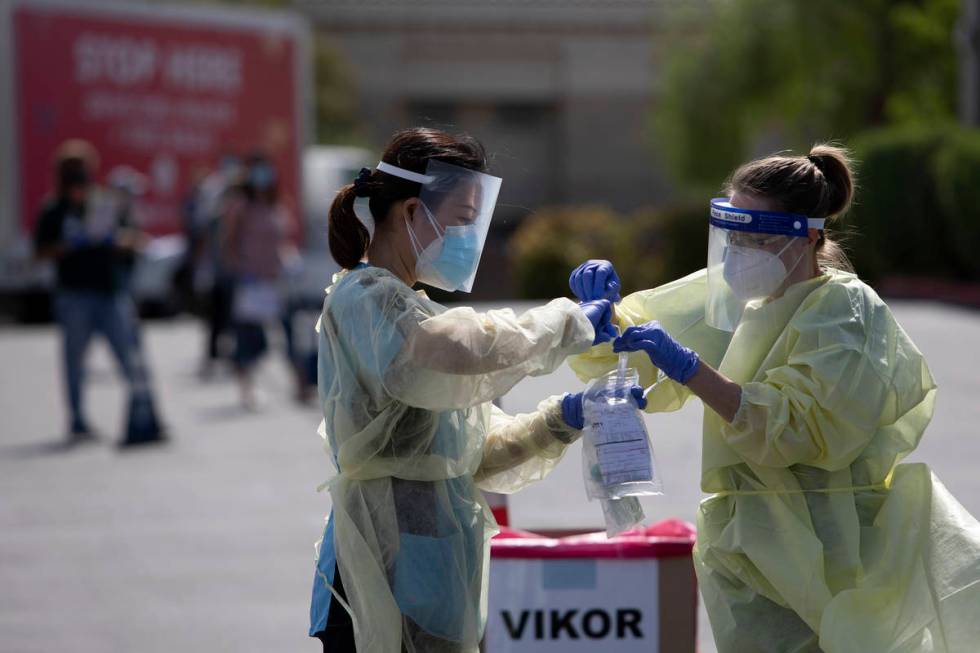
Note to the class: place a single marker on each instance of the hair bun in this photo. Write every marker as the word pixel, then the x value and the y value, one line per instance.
pixel 834 163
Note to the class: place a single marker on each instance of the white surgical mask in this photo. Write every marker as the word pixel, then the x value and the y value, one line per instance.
pixel 751 272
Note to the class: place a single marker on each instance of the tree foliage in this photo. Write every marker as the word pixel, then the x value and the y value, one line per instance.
pixel 335 96
pixel 753 75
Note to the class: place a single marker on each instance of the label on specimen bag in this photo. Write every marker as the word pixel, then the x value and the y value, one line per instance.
pixel 621 444
pixel 617 455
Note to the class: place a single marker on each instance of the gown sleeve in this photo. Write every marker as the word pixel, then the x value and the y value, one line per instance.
pixel 458 358
pixel 522 449
pixel 679 306
pixel 850 373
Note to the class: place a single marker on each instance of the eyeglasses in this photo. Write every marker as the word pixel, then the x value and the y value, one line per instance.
pixel 754 240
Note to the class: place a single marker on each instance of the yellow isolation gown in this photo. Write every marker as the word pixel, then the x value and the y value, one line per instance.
pixel 816 538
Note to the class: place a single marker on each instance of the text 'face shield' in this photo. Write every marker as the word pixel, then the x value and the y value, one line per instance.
pixel 449 229
pixel 750 255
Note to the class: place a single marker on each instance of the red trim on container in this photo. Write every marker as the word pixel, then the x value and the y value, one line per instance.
pixel 500 514
pixel 666 539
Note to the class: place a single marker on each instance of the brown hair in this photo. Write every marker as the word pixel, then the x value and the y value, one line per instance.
pixel 410 149
pixel 818 185
pixel 75 163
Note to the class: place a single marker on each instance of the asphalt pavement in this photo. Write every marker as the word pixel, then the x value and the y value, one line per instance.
pixel 206 544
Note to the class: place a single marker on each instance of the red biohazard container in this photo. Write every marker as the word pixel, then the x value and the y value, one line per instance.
pixel 631 593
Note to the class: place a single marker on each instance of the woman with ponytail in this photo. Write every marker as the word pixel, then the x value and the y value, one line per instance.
pixel 814 538
pixel 406 387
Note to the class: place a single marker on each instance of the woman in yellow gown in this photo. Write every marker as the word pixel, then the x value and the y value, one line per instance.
pixel 815 538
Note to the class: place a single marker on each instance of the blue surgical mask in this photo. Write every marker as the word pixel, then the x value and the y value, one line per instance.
pixel 460 255
pixel 262 176
pixel 451 259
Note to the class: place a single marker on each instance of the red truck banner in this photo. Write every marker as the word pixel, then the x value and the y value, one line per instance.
pixel 158 92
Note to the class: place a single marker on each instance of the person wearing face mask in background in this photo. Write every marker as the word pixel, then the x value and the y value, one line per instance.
pixel 256 244
pixel 87 231
pixel 406 386
pixel 815 538
pixel 206 279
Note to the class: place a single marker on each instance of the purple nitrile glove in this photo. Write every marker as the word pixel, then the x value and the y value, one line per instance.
pixel 600 314
pixel 595 279
pixel 571 406
pixel 674 359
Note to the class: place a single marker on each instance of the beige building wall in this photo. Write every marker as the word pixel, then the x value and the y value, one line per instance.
pixel 561 92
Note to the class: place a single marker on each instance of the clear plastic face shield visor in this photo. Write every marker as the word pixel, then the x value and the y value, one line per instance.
pixel 750 255
pixel 449 228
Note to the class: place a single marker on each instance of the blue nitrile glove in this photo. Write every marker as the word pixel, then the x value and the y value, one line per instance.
pixel 600 314
pixel 571 410
pixel 571 406
pixel 595 279
pixel 674 359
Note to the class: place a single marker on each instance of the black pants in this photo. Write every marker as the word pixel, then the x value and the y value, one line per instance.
pixel 219 315
pixel 250 344
pixel 338 635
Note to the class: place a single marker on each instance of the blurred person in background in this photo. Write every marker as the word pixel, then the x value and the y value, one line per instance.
pixel 87 232
pixel 257 245
pixel 815 538
pixel 205 274
pixel 129 184
pixel 406 386
pixel 300 338
pixel 190 227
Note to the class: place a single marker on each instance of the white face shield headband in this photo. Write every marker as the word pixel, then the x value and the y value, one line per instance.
pixel 746 262
pixel 451 224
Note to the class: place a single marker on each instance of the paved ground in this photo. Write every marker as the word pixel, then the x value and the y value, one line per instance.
pixel 206 545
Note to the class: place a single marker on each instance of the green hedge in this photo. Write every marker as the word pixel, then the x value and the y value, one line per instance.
pixel 917 210
pixel 648 247
pixel 957 168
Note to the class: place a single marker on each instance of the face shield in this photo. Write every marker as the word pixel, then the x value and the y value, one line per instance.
pixel 750 255
pixel 450 225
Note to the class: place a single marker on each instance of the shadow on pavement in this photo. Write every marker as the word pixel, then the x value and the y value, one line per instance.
pixel 225 413
pixel 61 445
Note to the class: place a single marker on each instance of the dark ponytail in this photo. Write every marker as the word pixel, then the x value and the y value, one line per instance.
pixel 347 237
pixel 819 185
pixel 410 149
